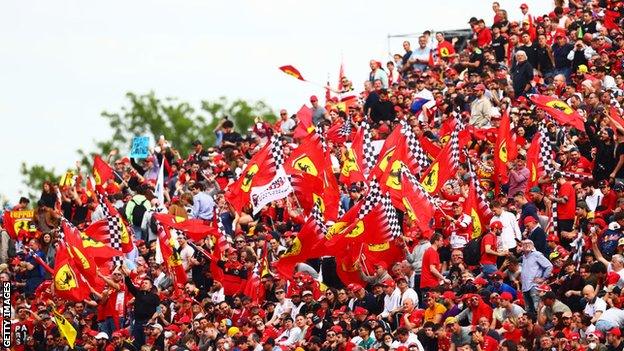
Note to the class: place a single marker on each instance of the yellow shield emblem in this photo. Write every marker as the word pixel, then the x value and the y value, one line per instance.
pixel 349 164
pixel 379 247
pixel 248 177
pixel 305 164
pixel 430 183
pixel 394 177
pixel 319 202
pixel 294 250
pixel 561 106
pixel 357 230
pixel 89 242
pixel 476 223
pixel 383 164
pixel 336 228
pixel 65 279
pixel 125 237
pixel 502 151
pixel 408 210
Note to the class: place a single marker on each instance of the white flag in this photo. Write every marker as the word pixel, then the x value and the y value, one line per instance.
pixel 278 188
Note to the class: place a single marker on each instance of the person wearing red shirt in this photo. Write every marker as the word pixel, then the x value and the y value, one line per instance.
pixel 484 35
pixel 608 202
pixel 445 49
pixel 22 328
pixel 111 309
pixel 566 200
pixel 577 163
pixel 430 277
pixel 489 249
pixel 483 341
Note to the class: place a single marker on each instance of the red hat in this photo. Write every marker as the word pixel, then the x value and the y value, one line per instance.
pixel 354 287
pixel 389 282
pixel 497 275
pixel 479 87
pixel 358 311
pixel 551 237
pixel 173 328
pixel 336 329
pixel 383 128
pixel 506 296
pixel 313 98
pixel 544 287
pixel 402 348
pixel 612 278
pixel 529 219
pixel 91 332
pixel 184 320
pixel 524 6
pixel 449 295
pixel 496 225
pixel 616 331
pixel 480 281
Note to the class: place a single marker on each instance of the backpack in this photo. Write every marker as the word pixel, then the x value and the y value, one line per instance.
pixel 472 251
pixel 138 212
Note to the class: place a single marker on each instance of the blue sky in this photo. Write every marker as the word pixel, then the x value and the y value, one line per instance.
pixel 64 62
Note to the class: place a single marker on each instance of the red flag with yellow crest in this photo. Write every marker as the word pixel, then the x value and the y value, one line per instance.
pixel 292 71
pixel 102 171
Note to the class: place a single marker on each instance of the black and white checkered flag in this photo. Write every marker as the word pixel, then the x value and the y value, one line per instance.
pixel 345 129
pixel 367 145
pixel 391 215
pixel 114 227
pixel 455 147
pixel 276 151
pixel 373 197
pixel 577 247
pixel 546 151
pixel 318 217
pixel 414 147
pixel 412 178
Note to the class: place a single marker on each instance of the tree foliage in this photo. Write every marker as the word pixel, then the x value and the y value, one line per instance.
pixel 149 115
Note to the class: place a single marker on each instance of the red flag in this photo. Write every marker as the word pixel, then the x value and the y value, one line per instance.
pixel 83 261
pixel 616 117
pixel 69 284
pixel 504 151
pixel 307 157
pixel 102 171
pixel 193 228
pixel 471 208
pixel 440 171
pixel 100 252
pixel 533 160
pixel 352 163
pixel 168 247
pixel 416 205
pixel 292 71
pixel 18 224
pixel 308 244
pixel 430 148
pixel 259 171
pixel 559 110
pixel 304 122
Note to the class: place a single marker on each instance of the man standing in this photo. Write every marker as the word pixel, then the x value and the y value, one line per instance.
pixel 489 249
pixel 522 74
pixel 415 259
pixel 566 200
pixel 480 108
pixel 431 266
pixel 318 112
pixel 145 303
pixel 536 234
pixel 536 268
pixel 511 230
pixel 203 204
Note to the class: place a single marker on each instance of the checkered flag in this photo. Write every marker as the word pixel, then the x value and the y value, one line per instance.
pixel 114 227
pixel 391 215
pixel 555 214
pixel 276 151
pixel 345 129
pixel 373 197
pixel 577 176
pixel 369 150
pixel 546 151
pixel 455 147
pixel 414 147
pixel 319 218
pixel 412 178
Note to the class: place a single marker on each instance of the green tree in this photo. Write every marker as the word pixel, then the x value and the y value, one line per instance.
pixel 149 115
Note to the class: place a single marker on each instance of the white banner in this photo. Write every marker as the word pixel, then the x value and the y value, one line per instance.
pixel 278 188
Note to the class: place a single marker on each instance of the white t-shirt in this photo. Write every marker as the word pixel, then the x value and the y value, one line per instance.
pixel 598 306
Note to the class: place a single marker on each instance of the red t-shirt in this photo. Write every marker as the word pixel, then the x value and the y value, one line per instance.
pixel 427 279
pixel 489 343
pixel 567 210
pixel 21 330
pixel 486 258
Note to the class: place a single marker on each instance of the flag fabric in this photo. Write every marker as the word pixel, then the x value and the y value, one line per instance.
pixel 308 157
pixel 417 204
pixel 69 284
pixel 418 155
pixel 100 252
pixel 159 191
pixel 292 71
pixel 483 207
pixel 279 186
pixel 169 248
pixel 309 243
pixel 471 208
pixel 85 263
pixel 352 170
pixel 504 151
pixel 259 171
pixel 18 224
pixel 444 167
pixel 195 229
pixel 368 151
pixel 533 161
pixel 119 236
pixel 417 105
pixel 559 110
pixel 341 75
pixel 339 132
pixel 616 117
pixel 304 122
pixel 65 328
pixel 102 171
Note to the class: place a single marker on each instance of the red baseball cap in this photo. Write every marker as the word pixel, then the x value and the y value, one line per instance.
pixel 389 282
pixel 449 295
pixel 506 296
pixel 313 98
pixel 480 281
pixel 529 219
pixel 524 6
